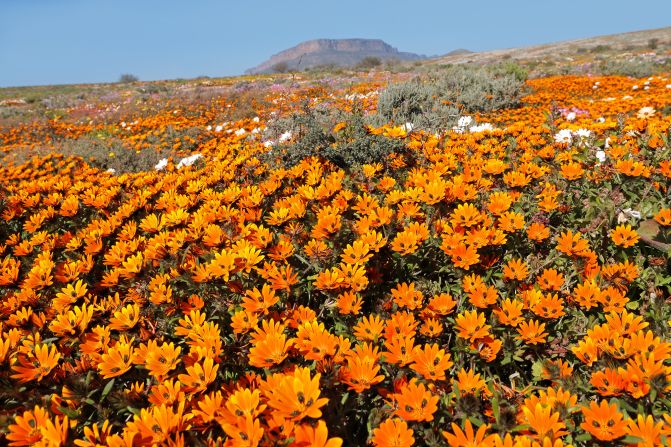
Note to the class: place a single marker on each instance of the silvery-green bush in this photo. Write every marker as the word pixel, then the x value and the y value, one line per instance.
pixel 436 102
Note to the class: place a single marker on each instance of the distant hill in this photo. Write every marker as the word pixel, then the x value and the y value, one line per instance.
pixel 458 52
pixel 593 46
pixel 338 52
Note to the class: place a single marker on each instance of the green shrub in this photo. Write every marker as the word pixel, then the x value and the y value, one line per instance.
pixel 415 102
pixel 128 78
pixel 312 135
pixel 436 103
pixel 481 89
pixel 280 67
pixel 601 48
pixel 369 62
pixel 634 68
pixel 109 153
pixel 511 68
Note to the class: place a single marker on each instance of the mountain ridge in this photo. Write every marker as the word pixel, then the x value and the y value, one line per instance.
pixel 340 52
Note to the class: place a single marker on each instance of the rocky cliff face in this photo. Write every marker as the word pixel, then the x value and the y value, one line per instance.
pixel 341 52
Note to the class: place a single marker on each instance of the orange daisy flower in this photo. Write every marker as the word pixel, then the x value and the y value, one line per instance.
pixel 604 421
pixel 624 236
pixel 393 433
pixel 471 325
pixel 414 402
pixel 469 438
pixel 531 332
pixel 431 362
pixel 37 364
pixel 663 217
pixel 296 395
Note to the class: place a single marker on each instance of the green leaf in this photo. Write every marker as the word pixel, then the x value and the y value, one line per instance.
pixel 107 389
pixel 583 438
pixel 69 412
pixel 537 370
pixel 632 305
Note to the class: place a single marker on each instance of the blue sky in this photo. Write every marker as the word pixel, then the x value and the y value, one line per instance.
pixel 77 41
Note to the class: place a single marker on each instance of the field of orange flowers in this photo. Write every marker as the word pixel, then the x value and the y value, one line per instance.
pixel 499 285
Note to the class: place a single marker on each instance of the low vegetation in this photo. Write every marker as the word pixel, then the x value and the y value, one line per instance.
pixel 474 258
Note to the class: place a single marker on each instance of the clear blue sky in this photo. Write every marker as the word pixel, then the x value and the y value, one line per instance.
pixel 76 41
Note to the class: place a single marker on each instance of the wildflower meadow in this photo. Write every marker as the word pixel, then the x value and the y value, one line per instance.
pixel 271 261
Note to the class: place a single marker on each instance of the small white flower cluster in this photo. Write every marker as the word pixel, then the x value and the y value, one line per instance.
pixel 563 136
pixel 125 124
pixel 646 112
pixel 624 215
pixel 567 135
pixel 286 136
pixel 188 161
pixel 481 128
pixel 355 96
pixel 161 165
pixel 601 156
pixel 465 122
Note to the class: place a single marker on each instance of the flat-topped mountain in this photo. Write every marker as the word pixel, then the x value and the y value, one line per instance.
pixel 339 52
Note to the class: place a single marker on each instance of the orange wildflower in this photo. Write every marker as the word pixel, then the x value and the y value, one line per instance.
pixel 349 303
pixel 442 304
pixel 126 318
pixel 550 279
pixel 414 402
pixel 160 360
pixel 608 382
pixel 430 361
pixel 516 269
pixel 117 359
pixel 405 296
pixel 646 429
pixel 296 395
pixel 572 244
pixel 544 421
pixel 465 215
pixel 469 438
pixel 40 361
pixel 270 345
pixel 361 370
pixel 308 436
pixel 468 382
pixel 400 350
pixel 532 332
pixel 538 232
pixel 27 428
pixel 369 328
pixel 663 217
pixel 510 312
pixel 604 421
pixel 464 256
pixel 199 376
pixel 624 236
pixel 471 325
pixel 393 433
